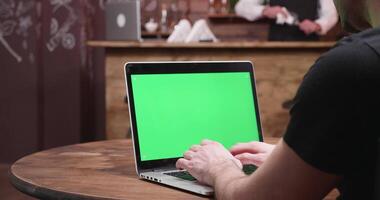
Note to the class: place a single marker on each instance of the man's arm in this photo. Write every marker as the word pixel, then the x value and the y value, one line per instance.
pixel 284 175
pixel 250 9
pixel 328 16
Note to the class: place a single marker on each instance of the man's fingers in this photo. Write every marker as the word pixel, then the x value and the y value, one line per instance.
pixel 308 31
pixel 207 142
pixel 195 148
pixel 238 163
pixel 248 158
pixel 241 148
pixel 182 164
pixel 250 147
pixel 283 13
pixel 307 26
pixel 188 155
pixel 305 29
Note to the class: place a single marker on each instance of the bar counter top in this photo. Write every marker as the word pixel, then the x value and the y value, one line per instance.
pixel 279 66
pixel 209 45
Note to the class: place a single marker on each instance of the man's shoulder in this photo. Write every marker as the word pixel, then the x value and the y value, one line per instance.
pixel 356 51
pixel 343 58
pixel 360 41
pixel 341 66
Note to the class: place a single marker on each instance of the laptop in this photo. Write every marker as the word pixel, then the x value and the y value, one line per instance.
pixel 174 105
pixel 123 20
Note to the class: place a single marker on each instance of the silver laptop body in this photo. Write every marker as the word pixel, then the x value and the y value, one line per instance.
pixel 158 172
pixel 159 175
pixel 123 20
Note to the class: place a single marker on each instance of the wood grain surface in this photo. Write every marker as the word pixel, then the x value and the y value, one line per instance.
pixel 98 170
pixel 208 45
pixel 279 72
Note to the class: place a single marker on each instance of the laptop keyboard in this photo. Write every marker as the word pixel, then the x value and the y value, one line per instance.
pixel 182 174
pixel 247 169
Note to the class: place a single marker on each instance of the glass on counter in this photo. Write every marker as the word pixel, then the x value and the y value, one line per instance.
pixel 219 6
pixel 231 5
pixel 164 19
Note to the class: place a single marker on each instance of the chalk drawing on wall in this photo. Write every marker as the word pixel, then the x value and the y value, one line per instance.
pixel 53 26
pixel 60 33
pixel 15 19
pixel 68 41
pixel 5 43
pixel 102 4
pixel 24 24
pixel 32 59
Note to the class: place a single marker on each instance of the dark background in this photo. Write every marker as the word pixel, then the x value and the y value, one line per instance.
pixel 52 85
pixel 50 81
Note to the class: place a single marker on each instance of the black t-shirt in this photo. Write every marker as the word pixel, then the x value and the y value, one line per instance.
pixel 335 120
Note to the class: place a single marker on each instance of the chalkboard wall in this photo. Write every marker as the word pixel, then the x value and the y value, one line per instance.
pixel 49 91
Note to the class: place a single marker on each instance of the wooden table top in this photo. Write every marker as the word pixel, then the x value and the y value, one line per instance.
pixel 97 170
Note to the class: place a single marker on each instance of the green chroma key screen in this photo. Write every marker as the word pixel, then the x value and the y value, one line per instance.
pixel 175 111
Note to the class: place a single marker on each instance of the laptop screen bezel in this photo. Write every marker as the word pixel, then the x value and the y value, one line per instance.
pixel 173 68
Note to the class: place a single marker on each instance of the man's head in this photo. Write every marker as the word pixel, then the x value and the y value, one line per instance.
pixel 358 15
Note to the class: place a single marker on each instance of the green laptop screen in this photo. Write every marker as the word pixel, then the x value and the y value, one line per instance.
pixel 175 111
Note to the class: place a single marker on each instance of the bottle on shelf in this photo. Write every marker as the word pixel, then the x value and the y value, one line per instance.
pixel 215 6
pixel 231 5
pixel 173 15
pixel 211 8
pixel 224 7
pixel 164 19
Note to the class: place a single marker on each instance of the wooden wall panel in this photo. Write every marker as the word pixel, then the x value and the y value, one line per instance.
pixel 61 76
pixel 93 76
pixel 19 119
pixel 278 72
pixel 49 95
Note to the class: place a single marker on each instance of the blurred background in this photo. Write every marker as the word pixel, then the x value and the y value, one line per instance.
pixel 61 61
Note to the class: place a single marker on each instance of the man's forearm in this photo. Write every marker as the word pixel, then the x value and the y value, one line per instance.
pixel 229 182
pixel 250 9
pixel 328 16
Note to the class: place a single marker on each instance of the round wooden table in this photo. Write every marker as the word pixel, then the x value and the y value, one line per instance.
pixel 97 170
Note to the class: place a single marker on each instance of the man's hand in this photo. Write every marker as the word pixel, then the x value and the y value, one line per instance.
pixel 207 160
pixel 272 11
pixel 309 27
pixel 252 152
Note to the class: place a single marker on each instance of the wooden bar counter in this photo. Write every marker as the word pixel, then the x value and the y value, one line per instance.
pixel 279 67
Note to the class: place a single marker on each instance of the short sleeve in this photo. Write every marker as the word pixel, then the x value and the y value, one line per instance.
pixel 322 124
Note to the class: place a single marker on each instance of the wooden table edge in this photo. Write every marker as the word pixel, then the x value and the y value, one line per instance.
pixel 46 193
pixel 41 192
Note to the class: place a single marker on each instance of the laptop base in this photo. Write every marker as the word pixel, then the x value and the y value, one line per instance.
pixel 192 186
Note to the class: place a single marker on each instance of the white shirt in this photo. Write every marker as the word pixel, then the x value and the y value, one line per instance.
pixel 253 9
